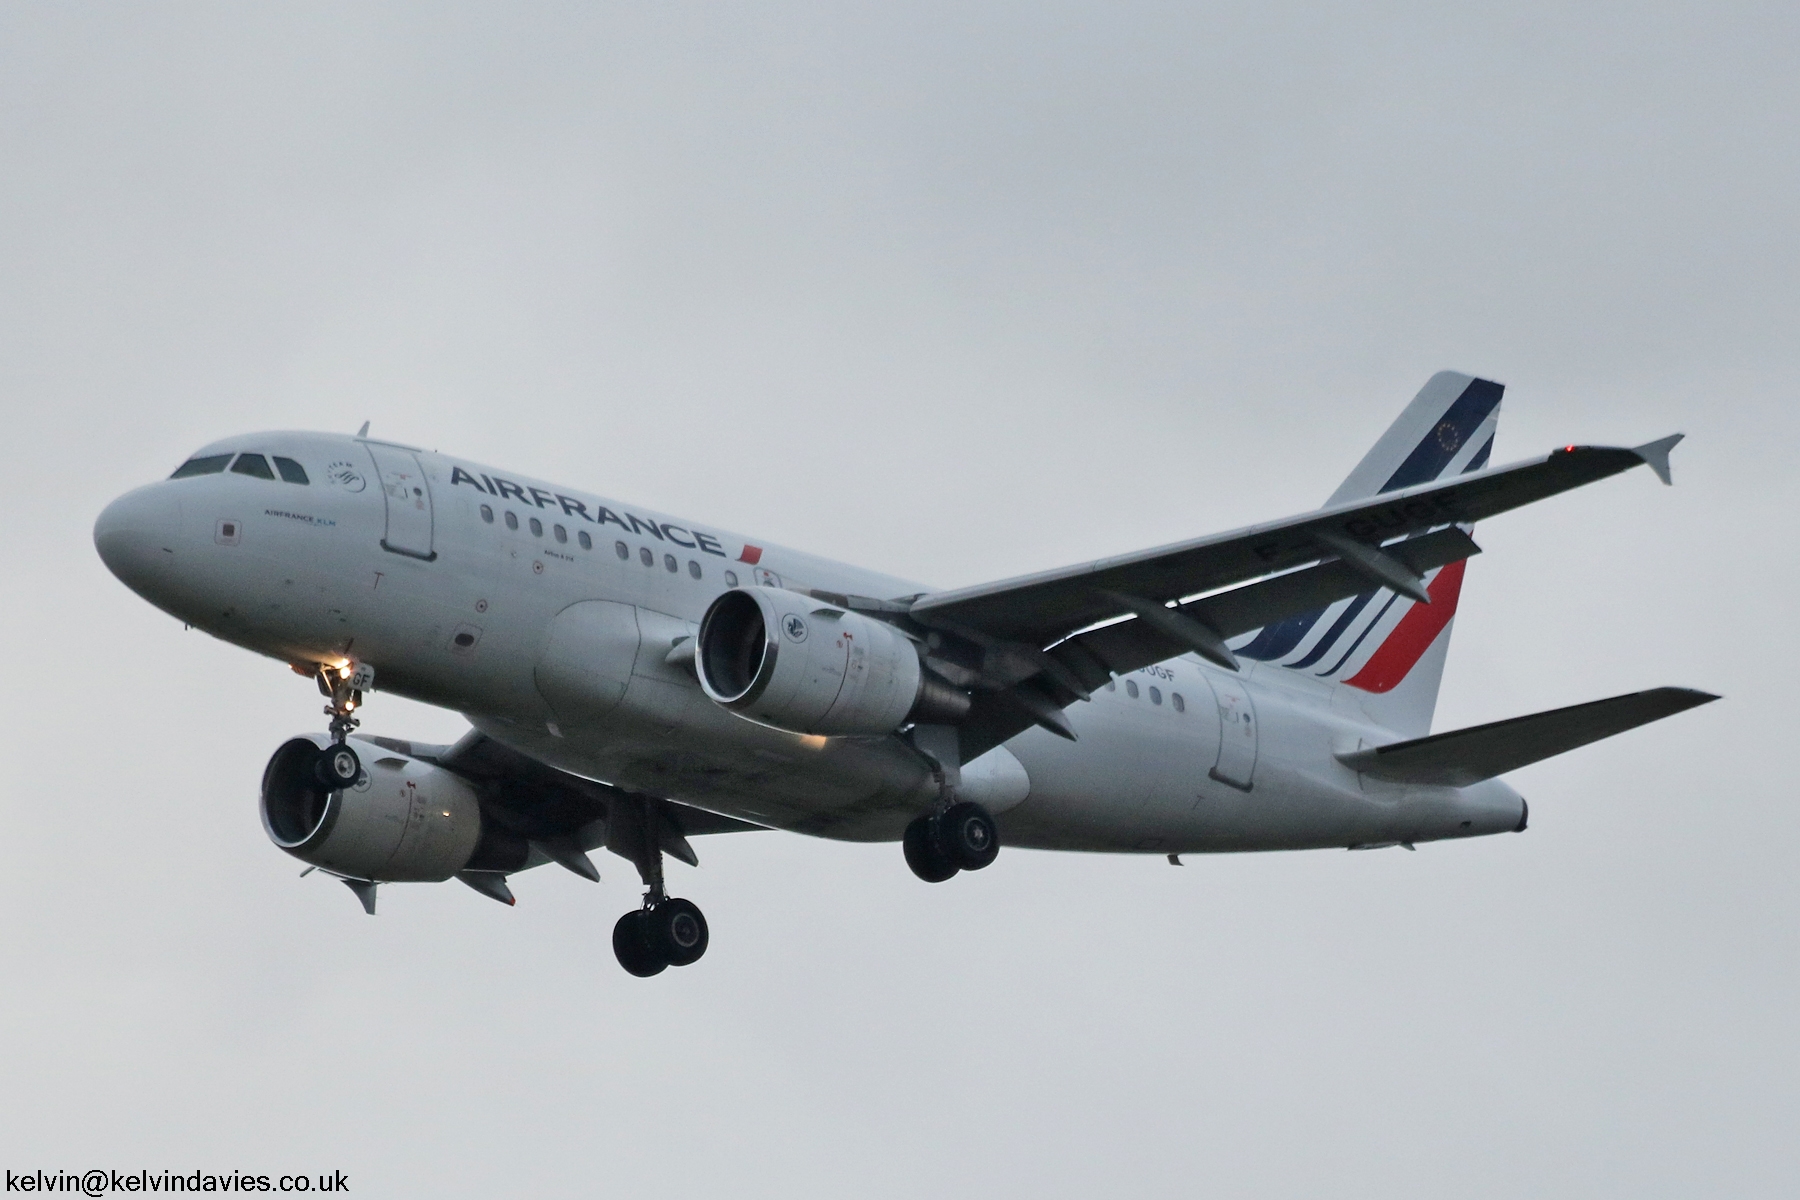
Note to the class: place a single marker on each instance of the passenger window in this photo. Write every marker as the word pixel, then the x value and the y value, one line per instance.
pixel 562 535
pixel 252 464
pixel 731 579
pixel 1131 688
pixel 512 521
pixel 587 543
pixel 212 464
pixel 622 550
pixel 537 527
pixel 670 563
pixel 487 514
pixel 290 470
pixel 693 568
pixel 1155 695
pixel 1178 702
pixel 645 557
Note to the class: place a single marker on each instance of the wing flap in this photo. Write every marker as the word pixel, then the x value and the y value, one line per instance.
pixel 1467 756
pixel 1132 644
pixel 1097 655
pixel 547 802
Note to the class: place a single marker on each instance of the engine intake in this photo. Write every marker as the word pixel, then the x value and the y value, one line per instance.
pixel 783 659
pixel 405 820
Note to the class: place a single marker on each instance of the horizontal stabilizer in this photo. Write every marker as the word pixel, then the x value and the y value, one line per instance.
pixel 1466 756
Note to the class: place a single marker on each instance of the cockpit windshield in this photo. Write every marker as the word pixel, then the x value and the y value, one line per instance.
pixel 210 464
pixel 252 464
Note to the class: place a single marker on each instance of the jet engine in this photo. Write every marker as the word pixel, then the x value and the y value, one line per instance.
pixel 404 820
pixel 783 659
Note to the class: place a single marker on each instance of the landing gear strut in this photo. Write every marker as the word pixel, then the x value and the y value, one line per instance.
pixel 667 931
pixel 338 766
pixel 957 835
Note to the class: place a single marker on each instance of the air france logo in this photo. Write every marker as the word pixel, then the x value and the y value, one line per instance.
pixel 346 476
pixel 794 626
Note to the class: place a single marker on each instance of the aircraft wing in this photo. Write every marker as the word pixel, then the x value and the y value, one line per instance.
pixel 1048 606
pixel 556 811
pixel 1046 641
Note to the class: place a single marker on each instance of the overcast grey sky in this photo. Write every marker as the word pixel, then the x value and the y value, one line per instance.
pixel 957 291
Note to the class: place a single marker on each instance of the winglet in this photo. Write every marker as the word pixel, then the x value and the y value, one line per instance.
pixel 364 431
pixel 1656 454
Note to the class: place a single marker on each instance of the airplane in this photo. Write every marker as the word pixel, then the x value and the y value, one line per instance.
pixel 633 679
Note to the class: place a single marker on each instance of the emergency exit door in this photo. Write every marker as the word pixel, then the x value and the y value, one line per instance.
pixel 1237 731
pixel 408 498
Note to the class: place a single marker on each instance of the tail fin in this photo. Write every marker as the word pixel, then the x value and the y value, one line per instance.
pixel 1391 650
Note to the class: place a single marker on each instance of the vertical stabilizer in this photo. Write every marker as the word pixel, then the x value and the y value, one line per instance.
pixel 1387 649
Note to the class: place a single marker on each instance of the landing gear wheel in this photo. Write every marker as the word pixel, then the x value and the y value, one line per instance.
pixel 337 767
pixel 676 930
pixel 632 945
pixel 968 836
pixel 924 854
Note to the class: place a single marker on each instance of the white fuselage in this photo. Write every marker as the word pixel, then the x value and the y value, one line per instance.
pixel 560 650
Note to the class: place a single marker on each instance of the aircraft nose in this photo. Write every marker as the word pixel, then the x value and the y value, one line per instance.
pixel 136 534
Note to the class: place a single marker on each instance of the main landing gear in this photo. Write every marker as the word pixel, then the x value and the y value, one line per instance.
pixel 667 931
pixel 338 766
pixel 670 932
pixel 957 835
pixel 961 838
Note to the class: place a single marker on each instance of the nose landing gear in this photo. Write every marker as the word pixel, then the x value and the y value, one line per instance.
pixel 338 766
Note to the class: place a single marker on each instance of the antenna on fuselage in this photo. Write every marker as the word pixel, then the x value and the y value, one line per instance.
pixel 364 431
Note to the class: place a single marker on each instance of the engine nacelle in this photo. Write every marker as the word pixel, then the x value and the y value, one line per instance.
pixel 405 820
pixel 782 659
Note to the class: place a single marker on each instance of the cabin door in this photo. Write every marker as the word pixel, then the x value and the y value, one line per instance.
pixel 408 498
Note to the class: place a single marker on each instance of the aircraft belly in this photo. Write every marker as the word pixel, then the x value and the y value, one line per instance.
pixel 852 789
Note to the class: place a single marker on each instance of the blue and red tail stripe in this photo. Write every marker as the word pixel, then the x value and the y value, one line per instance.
pixel 1402 649
pixel 1432 458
